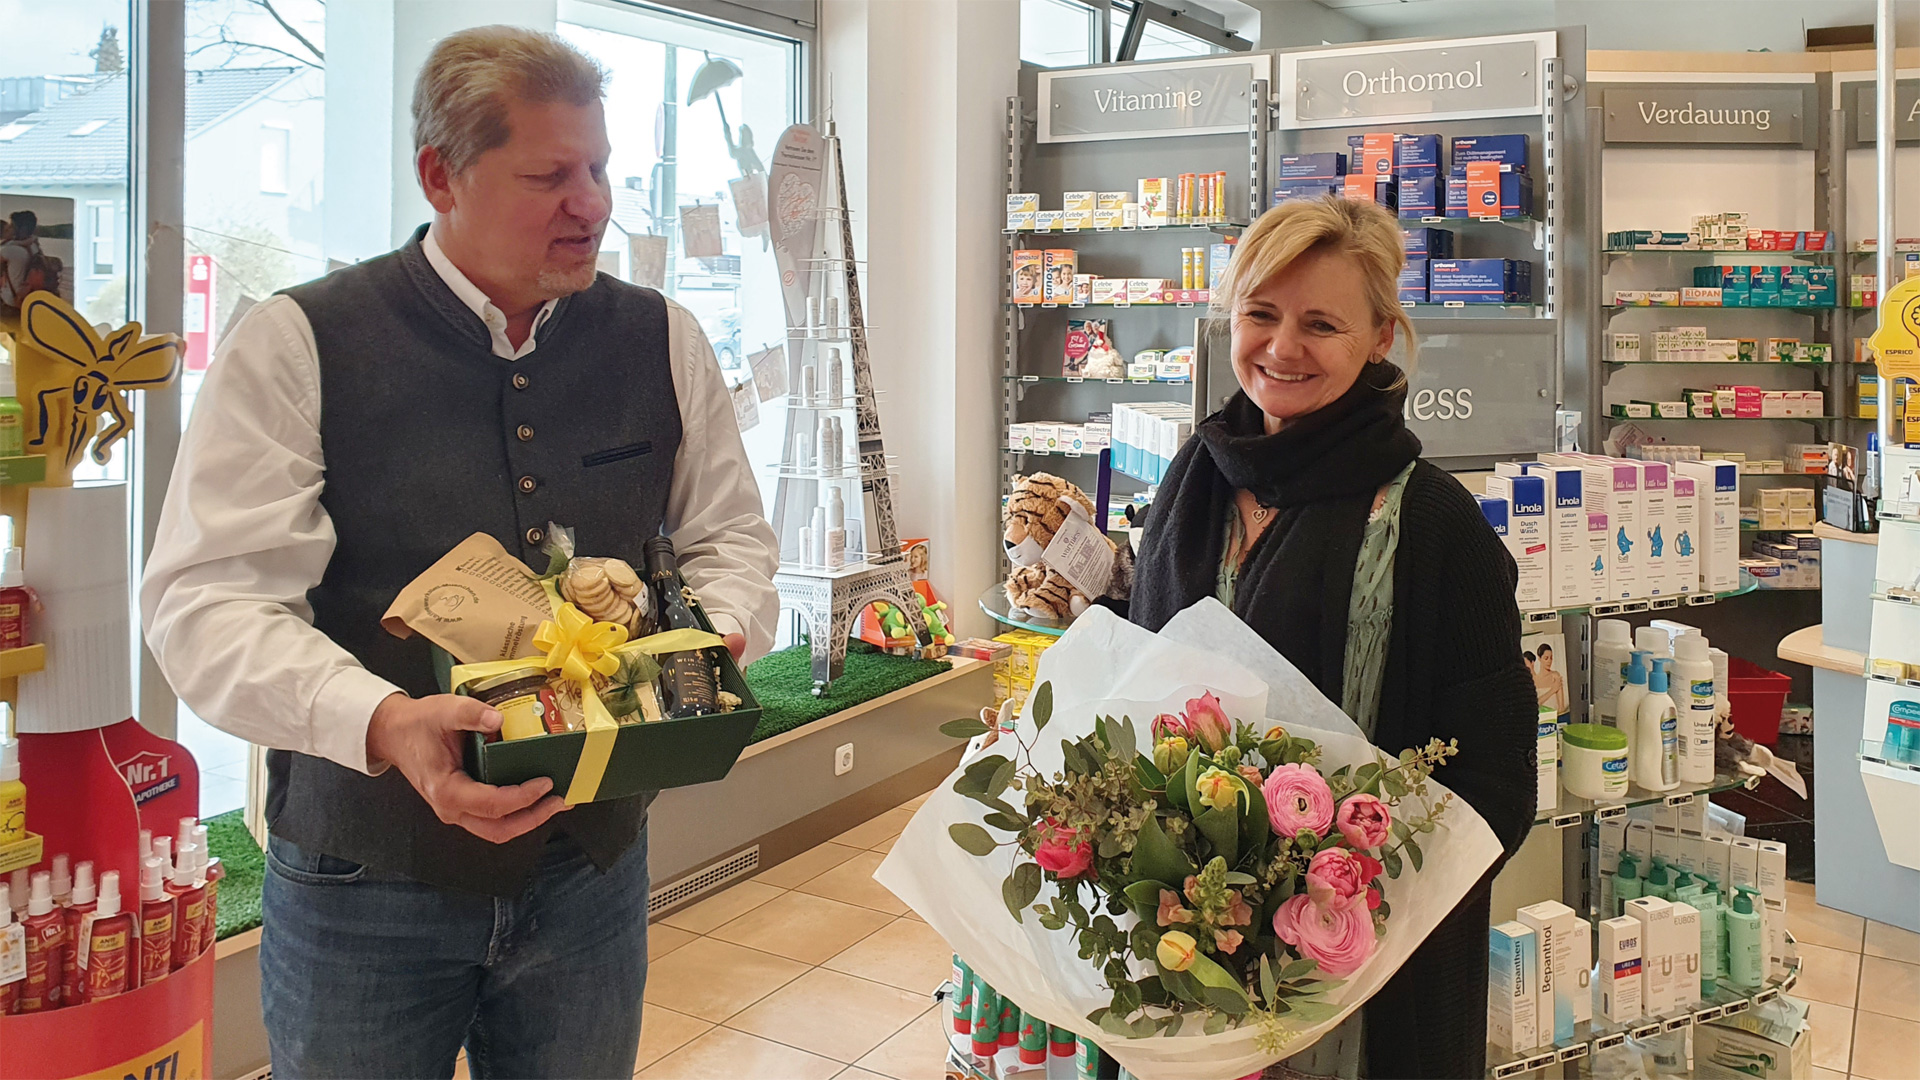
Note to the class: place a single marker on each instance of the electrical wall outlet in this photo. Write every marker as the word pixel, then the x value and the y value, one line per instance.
pixel 843 760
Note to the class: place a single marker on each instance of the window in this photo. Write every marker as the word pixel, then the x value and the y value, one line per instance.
pixel 1158 41
pixel 273 159
pixel 1058 33
pixel 100 228
pixel 10 132
pixel 88 128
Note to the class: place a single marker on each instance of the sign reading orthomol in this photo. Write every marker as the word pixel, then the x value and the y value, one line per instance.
pixel 1428 80
pixel 1134 101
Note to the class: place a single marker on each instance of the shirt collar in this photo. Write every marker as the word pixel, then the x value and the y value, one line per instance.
pixel 477 302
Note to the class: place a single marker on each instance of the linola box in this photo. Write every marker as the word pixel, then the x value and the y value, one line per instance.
pixel 1579 549
pixel 1526 538
pixel 1717 489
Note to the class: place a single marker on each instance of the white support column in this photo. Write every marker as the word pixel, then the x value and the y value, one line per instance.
pixel 918 91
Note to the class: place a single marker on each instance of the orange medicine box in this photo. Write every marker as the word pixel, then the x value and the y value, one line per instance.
pixel 1061 264
pixel 1029 274
pixel 1483 189
pixel 1376 155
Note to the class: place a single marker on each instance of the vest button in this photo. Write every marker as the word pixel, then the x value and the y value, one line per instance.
pixel 527 484
pixel 535 535
pixel 521 382
pixel 525 433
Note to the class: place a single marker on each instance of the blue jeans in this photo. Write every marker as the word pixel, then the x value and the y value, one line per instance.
pixel 371 974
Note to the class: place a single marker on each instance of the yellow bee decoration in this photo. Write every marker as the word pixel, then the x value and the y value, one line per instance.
pixel 74 380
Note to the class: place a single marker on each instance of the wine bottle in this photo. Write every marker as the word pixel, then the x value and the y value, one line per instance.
pixel 687 683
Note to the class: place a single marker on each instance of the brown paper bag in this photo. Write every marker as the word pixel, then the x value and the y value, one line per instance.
pixel 478 603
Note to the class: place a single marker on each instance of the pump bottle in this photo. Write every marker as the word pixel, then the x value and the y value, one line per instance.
pixel 1746 945
pixel 1653 754
pixel 1657 883
pixel 1626 885
pixel 109 943
pixel 1694 683
pixel 156 923
pixel 1628 704
pixel 1612 650
pixel 46 951
pixel 1653 641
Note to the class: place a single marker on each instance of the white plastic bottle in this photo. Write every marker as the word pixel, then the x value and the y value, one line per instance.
pixel 1654 754
pixel 1655 642
pixel 1722 707
pixel 1612 651
pixel 1693 683
pixel 1628 705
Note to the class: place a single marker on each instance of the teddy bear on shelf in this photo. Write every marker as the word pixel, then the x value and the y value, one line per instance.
pixel 1039 506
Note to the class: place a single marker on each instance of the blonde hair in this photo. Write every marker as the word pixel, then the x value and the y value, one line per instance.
pixel 1361 231
pixel 460 99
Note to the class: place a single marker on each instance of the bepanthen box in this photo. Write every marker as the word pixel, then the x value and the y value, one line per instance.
pixel 1413 282
pixel 1323 167
pixel 1479 281
pixel 1657 983
pixel 1683 548
pixel 1620 969
pixel 1576 578
pixel 1508 150
pixel 1513 977
pixel 1420 196
pixel 1656 526
pixel 1417 155
pixel 1552 926
pixel 1527 536
pixel 1427 243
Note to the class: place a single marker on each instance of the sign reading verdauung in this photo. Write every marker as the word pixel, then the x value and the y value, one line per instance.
pixel 1741 114
pixel 1132 101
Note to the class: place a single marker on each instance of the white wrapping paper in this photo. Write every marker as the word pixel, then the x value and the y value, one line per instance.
pixel 1105 666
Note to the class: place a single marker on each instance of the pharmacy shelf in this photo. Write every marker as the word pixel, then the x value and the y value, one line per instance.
pixel 1084 379
pixel 1143 304
pixel 1574 810
pixel 1460 308
pixel 1807 309
pixel 1776 364
pixel 1524 224
pixel 1720 420
pixel 1629 607
pixel 1225 228
pixel 1591 1039
pixel 994 603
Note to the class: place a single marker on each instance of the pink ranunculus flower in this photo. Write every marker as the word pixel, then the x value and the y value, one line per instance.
pixel 1209 722
pixel 1337 877
pixel 1364 821
pixel 1170 725
pixel 1340 939
pixel 1063 852
pixel 1170 910
pixel 1297 798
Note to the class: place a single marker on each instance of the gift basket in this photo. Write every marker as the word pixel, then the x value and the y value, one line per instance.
pixel 608 677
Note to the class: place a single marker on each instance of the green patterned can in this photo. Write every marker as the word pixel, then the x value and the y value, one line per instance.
pixel 986 1021
pixel 1088 1060
pixel 1009 1023
pixel 963 983
pixel 1064 1042
pixel 1033 1039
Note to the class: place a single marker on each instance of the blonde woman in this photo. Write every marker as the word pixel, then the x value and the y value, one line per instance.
pixel 1304 506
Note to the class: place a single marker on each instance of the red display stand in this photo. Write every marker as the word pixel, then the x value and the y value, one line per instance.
pixel 162 1031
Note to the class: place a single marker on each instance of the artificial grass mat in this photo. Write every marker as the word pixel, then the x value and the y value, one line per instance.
pixel 239 904
pixel 781 681
pixel 783 684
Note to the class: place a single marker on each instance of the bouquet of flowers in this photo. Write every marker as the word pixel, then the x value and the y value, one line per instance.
pixel 1203 892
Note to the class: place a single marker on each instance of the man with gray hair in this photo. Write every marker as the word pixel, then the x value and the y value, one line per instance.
pixel 350 432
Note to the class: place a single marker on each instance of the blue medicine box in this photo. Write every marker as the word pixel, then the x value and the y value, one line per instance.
pixel 1516 196
pixel 1416 155
pixel 1413 282
pixel 1479 281
pixel 1420 195
pixel 1427 243
pixel 1327 168
pixel 1312 189
pixel 1508 150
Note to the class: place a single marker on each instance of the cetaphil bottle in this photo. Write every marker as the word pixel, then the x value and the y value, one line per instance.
pixel 1693 683
pixel 1654 751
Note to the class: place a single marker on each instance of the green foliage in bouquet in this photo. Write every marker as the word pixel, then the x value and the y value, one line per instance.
pixel 1220 861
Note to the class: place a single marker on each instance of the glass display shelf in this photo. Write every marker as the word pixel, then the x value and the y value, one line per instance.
pixel 1084 379
pixel 1462 309
pixel 1574 810
pixel 1779 364
pixel 1674 249
pixel 994 603
pixel 1894 756
pixel 1115 304
pixel 1523 223
pixel 1805 308
pixel 1717 420
pixel 1598 1037
pixel 1205 226
pixel 1628 607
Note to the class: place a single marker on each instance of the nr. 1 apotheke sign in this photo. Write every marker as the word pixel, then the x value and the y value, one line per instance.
pixel 1467 79
pixel 1135 101
pixel 1721 114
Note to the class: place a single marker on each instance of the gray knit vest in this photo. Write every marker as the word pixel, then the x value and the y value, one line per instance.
pixel 428 438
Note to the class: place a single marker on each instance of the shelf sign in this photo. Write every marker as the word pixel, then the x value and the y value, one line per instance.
pixel 1135 101
pixel 1722 114
pixel 1906 112
pixel 1430 80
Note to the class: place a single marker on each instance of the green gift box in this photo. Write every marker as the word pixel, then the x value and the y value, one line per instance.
pixel 645 756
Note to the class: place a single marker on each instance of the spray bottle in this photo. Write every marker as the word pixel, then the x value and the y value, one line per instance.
pixel 13 954
pixel 108 944
pixel 207 874
pixel 62 881
pixel 14 601
pixel 46 948
pixel 156 923
pixel 1628 704
pixel 190 907
pixel 1612 651
pixel 1654 750
pixel 1694 684
pixel 78 910
pixel 18 890
pixel 1746 945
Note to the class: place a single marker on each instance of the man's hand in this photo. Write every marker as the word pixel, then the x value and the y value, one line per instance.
pixel 737 645
pixel 423 740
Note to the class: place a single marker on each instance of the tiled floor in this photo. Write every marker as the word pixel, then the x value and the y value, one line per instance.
pixel 1861 980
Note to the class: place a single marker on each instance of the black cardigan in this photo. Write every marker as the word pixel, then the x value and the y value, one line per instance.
pixel 1453 671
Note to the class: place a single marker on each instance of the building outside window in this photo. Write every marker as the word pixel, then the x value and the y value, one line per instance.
pixel 273 159
pixel 102 244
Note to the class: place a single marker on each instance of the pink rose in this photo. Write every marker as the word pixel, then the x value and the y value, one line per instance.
pixel 1062 852
pixel 1341 940
pixel 1297 798
pixel 1209 722
pixel 1364 821
pixel 1251 774
pixel 1169 726
pixel 1337 877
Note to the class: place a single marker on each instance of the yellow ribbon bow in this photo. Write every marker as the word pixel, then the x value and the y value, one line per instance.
pixel 576 646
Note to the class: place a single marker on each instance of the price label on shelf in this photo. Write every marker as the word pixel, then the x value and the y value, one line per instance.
pixel 1682 798
pixel 1566 821
pixel 1615 812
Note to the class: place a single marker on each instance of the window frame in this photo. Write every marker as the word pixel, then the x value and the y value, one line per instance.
pixel 95 209
pixel 285 164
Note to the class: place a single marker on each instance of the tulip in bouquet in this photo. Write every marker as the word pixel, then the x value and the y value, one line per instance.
pixel 1253 877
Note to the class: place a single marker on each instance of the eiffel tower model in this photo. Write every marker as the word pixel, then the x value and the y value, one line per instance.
pixel 839 550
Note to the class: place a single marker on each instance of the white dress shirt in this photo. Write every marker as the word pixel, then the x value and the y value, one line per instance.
pixel 243 536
